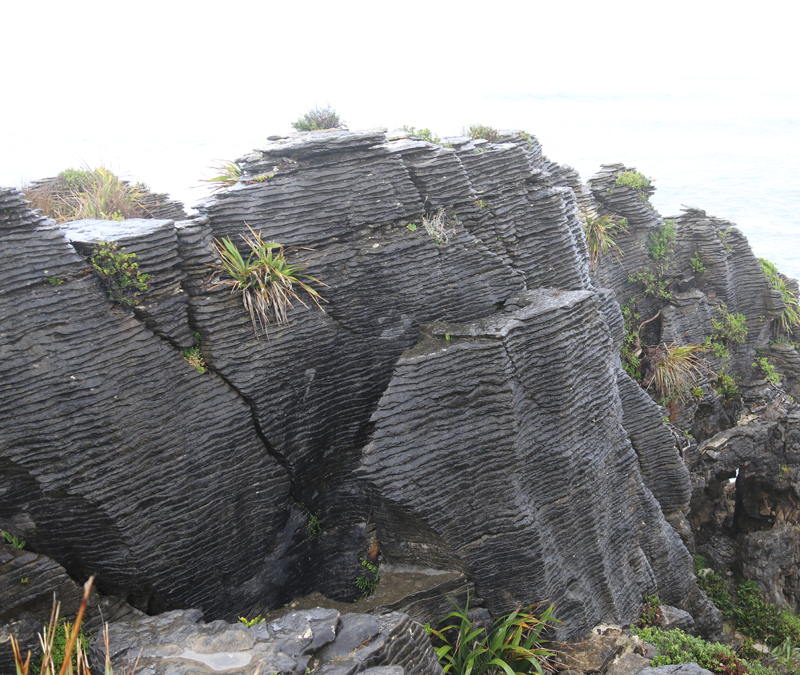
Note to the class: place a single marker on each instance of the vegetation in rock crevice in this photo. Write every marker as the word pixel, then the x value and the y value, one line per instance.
pixel 728 331
pixel 790 318
pixel 119 273
pixel 226 175
pixel 423 134
pixel 266 279
pixel 487 133
pixel 600 235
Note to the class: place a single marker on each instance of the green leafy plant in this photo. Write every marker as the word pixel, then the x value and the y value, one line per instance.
pixel 790 318
pixel 768 370
pixel 697 392
pixel 651 614
pixel 481 204
pixel 251 622
pixel 314 525
pixel 634 180
pixel 762 620
pixel 675 646
pixel 726 387
pixel 660 241
pixel 524 135
pixel 412 227
pixel 12 540
pixel 194 355
pixel 653 286
pixel 227 174
pixel 600 235
pixel 434 224
pixel 515 644
pixel 729 330
pixel 119 273
pixel 722 235
pixel 424 134
pixel 697 263
pixel 266 279
pixel 631 351
pixel 787 655
pixel 55 282
pixel 24 580
pixel 716 588
pixel 318 119
pixel 368 583
pixel 476 131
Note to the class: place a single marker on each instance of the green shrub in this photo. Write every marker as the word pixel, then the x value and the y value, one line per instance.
pixel 368 584
pixel 476 131
pixel 675 646
pixel 651 612
pixel 631 361
pixel 600 234
pixel 770 374
pixel 653 287
pixel 661 240
pixel 697 263
pixel 635 181
pixel 729 330
pixel 726 387
pixel 251 622
pixel 317 119
pixel 716 588
pixel 515 644
pixel 119 273
pixel 790 317
pixel 424 134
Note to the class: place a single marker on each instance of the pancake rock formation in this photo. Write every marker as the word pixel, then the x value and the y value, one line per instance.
pixel 456 412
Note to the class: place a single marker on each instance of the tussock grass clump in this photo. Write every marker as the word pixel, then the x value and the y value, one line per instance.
pixel 87 193
pixel 227 174
pixel 266 279
pixel 790 318
pixel 677 367
pixel 600 234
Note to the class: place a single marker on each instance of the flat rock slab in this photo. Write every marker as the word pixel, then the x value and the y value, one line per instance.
pixel 180 642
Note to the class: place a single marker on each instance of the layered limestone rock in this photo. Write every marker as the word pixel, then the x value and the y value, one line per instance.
pixel 514 456
pixel 117 456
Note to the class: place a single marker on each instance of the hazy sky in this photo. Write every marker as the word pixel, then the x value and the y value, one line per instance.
pixel 146 85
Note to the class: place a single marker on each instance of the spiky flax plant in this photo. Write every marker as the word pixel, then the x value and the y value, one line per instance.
pixel 265 279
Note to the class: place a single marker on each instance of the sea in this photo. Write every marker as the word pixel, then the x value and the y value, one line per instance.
pixel 734 154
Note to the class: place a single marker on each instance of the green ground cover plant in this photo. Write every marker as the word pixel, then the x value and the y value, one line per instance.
pixel 119 273
pixel 653 286
pixel 601 233
pixel 515 644
pixel 726 387
pixel 266 279
pixel 716 588
pixel 317 119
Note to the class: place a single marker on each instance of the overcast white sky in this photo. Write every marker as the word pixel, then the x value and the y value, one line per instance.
pixel 88 81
